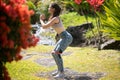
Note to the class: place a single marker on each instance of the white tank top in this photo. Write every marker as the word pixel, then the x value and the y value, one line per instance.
pixel 60 24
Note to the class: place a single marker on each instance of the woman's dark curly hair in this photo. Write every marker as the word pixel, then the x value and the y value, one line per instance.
pixel 57 9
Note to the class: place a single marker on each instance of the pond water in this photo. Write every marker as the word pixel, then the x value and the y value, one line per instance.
pixel 38 31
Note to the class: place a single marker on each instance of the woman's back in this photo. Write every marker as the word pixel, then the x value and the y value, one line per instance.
pixel 58 26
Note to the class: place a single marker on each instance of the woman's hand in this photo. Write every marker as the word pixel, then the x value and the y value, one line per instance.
pixel 42 17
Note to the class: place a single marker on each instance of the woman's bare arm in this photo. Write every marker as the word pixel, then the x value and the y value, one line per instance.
pixel 49 23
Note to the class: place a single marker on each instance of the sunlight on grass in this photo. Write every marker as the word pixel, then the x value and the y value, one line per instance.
pixel 92 60
pixel 85 59
pixel 40 48
pixel 25 70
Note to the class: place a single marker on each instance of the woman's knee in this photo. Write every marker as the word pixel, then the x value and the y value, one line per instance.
pixel 53 52
pixel 56 52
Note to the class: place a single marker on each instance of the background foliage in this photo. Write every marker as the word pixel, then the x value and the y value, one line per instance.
pixel 111 19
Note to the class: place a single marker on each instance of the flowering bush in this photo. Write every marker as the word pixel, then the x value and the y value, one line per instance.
pixel 94 3
pixel 78 1
pixel 14 32
pixel 95 6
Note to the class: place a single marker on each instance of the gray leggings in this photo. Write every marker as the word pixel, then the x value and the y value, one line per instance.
pixel 59 61
pixel 61 45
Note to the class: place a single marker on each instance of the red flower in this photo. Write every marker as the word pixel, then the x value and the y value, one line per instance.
pixel 95 3
pixel 4 28
pixel 2 18
pixel 18 57
pixel 78 1
pixel 17 1
pixel 100 2
pixel 3 40
pixel 18 49
pixel 33 40
pixel 9 57
pixel 24 14
pixel 6 74
pixel 10 44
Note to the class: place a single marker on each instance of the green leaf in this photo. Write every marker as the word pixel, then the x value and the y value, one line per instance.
pixel 111 18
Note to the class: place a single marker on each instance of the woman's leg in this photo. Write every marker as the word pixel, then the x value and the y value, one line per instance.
pixel 59 61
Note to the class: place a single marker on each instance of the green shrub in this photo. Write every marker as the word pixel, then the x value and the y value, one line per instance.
pixel 111 19
pixel 43 7
pixel 35 17
pixel 74 19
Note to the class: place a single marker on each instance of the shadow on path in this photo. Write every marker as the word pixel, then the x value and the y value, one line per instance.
pixel 73 75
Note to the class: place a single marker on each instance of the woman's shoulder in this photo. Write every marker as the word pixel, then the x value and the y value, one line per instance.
pixel 56 19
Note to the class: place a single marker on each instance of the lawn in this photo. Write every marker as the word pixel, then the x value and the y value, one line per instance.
pixel 74 19
pixel 86 59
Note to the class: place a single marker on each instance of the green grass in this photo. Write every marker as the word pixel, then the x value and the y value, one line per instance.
pixel 92 60
pixel 74 19
pixel 85 59
pixel 24 70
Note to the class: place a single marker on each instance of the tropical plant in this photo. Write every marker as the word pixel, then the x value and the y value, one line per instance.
pixel 15 32
pixel 95 6
pixel 43 7
pixel 69 5
pixel 35 16
pixel 111 19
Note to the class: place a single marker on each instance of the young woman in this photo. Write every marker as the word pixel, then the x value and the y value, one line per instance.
pixel 66 38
